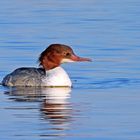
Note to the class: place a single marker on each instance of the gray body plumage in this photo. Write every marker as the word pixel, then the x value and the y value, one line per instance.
pixel 24 77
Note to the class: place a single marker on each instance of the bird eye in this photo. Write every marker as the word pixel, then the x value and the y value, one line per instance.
pixel 67 54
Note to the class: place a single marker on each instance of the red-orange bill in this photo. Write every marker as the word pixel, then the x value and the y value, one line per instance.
pixel 77 58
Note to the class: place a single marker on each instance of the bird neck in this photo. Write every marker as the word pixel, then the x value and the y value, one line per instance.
pixel 57 77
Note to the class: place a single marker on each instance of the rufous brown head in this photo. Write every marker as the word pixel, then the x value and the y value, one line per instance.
pixel 57 54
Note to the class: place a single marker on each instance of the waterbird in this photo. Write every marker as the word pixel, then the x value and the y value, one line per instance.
pixel 50 73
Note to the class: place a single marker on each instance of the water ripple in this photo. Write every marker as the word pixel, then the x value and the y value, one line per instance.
pixel 117 82
pixel 109 83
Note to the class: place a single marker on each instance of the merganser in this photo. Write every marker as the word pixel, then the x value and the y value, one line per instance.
pixel 50 73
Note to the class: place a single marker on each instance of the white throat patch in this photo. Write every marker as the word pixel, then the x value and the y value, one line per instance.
pixel 65 60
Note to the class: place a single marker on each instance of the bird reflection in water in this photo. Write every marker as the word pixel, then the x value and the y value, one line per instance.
pixel 56 107
pixel 54 104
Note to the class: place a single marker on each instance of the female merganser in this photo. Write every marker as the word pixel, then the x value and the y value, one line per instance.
pixel 51 74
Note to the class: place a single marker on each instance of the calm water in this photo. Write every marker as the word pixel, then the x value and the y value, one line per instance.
pixel 105 99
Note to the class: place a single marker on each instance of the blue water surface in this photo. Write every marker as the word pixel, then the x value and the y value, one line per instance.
pixel 105 99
